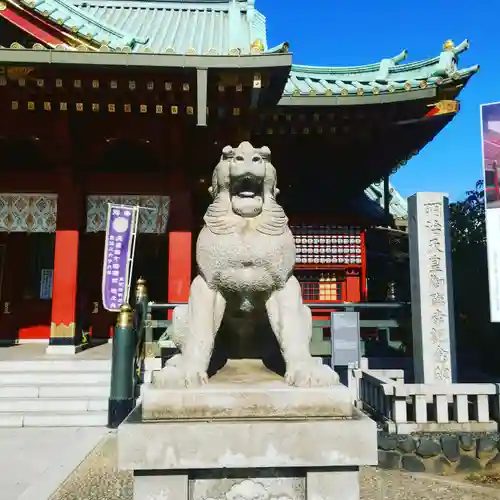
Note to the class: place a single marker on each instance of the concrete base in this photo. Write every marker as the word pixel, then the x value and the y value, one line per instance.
pixel 270 484
pixel 263 449
pixel 63 349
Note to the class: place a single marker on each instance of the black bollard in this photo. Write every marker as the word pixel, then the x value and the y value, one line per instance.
pixel 121 398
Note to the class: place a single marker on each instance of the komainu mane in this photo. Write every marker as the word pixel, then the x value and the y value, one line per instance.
pixel 245 301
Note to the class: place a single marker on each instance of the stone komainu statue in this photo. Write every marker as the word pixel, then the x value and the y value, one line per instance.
pixel 245 301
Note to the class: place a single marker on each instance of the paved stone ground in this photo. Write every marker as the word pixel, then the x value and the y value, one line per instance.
pixel 34 461
pixel 36 351
pixel 97 478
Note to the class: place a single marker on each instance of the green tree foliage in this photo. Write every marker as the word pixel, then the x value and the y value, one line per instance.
pixel 467 221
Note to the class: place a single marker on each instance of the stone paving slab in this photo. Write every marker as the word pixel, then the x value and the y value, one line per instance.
pixel 36 351
pixel 34 462
pixel 98 478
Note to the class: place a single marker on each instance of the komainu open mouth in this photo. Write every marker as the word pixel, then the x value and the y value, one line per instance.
pixel 247 186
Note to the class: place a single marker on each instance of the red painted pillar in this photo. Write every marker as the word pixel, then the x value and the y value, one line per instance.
pixel 353 287
pixel 180 248
pixel 64 293
pixel 179 265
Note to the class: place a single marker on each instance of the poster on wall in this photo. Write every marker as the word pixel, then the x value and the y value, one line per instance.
pixel 490 130
pixel 121 231
pixel 46 280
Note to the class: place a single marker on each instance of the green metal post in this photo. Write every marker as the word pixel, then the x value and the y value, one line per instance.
pixel 121 398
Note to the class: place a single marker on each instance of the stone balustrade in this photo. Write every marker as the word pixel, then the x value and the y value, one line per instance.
pixel 408 408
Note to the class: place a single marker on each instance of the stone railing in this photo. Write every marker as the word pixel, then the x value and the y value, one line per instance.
pixel 407 408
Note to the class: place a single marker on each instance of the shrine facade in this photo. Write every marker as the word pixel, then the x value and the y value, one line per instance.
pixel 111 102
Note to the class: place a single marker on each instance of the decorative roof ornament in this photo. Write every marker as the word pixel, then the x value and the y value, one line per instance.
pixel 257 47
pixel 386 64
pixel 282 48
pixel 449 45
pixel 448 59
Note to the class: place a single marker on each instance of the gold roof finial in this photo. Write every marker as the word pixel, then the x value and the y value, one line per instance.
pixel 448 45
pixel 257 46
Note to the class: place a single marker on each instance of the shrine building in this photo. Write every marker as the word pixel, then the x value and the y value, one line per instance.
pixel 131 102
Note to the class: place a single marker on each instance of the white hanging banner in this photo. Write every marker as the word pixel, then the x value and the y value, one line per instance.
pixel 121 233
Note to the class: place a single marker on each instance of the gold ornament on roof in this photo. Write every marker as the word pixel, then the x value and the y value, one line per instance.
pixel 3 6
pixel 257 46
pixel 448 45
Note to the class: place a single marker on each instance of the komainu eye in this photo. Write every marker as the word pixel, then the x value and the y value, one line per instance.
pixel 256 159
pixel 240 158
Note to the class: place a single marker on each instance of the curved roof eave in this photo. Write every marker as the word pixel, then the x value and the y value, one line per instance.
pixel 342 70
pixel 389 70
pixel 298 86
pixel 384 77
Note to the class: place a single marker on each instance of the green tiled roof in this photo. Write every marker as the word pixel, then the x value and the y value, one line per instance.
pixel 210 27
pixel 386 76
pixel 78 22
pixel 222 27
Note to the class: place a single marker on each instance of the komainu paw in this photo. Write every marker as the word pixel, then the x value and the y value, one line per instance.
pixel 311 374
pixel 179 376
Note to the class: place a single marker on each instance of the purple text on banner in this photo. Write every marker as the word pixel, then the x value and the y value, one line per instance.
pixel 117 256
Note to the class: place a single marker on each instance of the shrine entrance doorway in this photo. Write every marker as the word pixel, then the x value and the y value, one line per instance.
pixel 27 243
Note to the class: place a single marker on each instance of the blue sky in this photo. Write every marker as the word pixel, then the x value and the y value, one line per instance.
pixel 335 33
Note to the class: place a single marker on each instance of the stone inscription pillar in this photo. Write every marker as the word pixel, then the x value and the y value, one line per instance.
pixel 432 308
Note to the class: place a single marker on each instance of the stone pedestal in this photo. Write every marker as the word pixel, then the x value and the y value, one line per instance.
pixel 246 435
